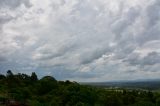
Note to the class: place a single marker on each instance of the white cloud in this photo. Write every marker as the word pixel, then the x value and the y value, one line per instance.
pixel 81 40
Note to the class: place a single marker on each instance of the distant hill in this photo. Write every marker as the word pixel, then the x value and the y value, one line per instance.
pixel 137 84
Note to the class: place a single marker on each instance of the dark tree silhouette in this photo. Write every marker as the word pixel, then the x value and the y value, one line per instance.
pixel 9 73
pixel 34 76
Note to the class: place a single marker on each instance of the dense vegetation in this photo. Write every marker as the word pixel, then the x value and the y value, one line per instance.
pixel 28 90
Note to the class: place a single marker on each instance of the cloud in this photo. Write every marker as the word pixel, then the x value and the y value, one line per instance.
pixel 12 4
pixel 81 40
pixel 151 59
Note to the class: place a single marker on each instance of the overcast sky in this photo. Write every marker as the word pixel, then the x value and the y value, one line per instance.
pixel 81 40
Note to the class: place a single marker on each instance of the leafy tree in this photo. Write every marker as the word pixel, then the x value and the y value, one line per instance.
pixel 34 76
pixel 46 84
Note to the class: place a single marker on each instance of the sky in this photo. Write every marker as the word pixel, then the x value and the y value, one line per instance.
pixel 81 40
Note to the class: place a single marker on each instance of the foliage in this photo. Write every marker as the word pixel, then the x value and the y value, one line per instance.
pixel 47 91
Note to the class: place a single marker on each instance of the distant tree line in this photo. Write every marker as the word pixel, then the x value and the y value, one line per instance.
pixel 27 90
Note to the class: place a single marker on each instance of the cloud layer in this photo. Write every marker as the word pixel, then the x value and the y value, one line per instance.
pixel 82 40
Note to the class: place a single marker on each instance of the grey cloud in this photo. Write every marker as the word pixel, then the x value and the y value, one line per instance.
pixel 124 49
pixel 12 4
pixel 4 19
pixel 2 59
pixel 124 22
pixel 153 13
pixel 151 59
pixel 86 75
pixel 151 18
pixel 81 40
pixel 48 52
pixel 91 55
pixel 8 12
pixel 133 59
pixel 151 34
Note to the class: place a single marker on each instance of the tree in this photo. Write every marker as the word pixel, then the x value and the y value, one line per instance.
pixel 34 76
pixel 46 84
pixel 9 73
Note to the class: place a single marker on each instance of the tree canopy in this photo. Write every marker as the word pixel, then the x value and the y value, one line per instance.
pixel 28 90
